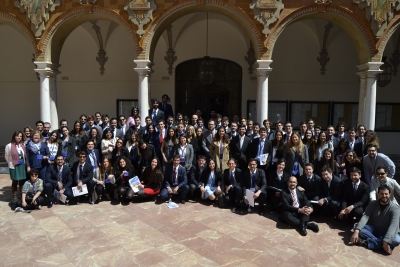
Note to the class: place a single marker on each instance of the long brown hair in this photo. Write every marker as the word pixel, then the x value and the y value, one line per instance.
pixel 291 145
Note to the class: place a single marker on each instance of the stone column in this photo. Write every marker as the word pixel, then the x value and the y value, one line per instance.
pixel 371 70
pixel 53 96
pixel 361 98
pixel 44 71
pixel 142 68
pixel 263 71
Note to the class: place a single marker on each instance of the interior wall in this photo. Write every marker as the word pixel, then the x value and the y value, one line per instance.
pixel 18 83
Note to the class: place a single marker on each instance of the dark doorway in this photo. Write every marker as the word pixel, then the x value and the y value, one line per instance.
pixel 222 93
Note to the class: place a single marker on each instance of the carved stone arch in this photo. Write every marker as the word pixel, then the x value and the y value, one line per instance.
pixel 8 17
pixel 361 35
pixel 59 29
pixel 388 33
pixel 179 9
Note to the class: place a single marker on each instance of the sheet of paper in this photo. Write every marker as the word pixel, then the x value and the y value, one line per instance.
pixel 249 197
pixel 82 191
pixel 314 201
pixel 59 196
pixel 263 159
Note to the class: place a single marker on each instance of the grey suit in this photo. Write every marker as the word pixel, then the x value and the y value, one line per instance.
pixel 207 140
pixel 189 154
pixel 290 160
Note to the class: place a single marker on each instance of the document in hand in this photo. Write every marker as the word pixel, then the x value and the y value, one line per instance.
pixel 263 159
pixel 79 192
pixel 172 205
pixel 59 196
pixel 134 183
pixel 249 197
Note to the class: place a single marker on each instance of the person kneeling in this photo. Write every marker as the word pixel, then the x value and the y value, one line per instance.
pixel 175 181
pixel 379 226
pixel 296 208
pixel 211 182
pixel 31 193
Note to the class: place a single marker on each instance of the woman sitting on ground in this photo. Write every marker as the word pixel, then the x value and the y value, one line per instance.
pixel 211 182
pixel 31 193
pixel 152 179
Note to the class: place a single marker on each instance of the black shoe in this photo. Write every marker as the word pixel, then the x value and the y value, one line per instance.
pixel 183 201
pixel 313 227
pixel 261 212
pixel 362 243
pixel 90 200
pixel 50 205
pixel 302 230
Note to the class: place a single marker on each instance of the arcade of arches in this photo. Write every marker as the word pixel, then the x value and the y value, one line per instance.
pixel 81 57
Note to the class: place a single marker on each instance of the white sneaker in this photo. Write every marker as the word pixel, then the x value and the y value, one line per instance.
pixel 19 209
pixel 39 207
pixel 248 209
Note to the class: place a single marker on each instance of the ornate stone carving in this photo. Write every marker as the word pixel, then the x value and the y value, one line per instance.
pixel 267 12
pixel 250 58
pixel 323 58
pixel 87 2
pixel 380 12
pixel 170 57
pixel 323 1
pixel 140 12
pixel 37 12
pixel 101 55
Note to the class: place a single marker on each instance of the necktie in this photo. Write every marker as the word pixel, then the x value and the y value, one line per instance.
pixel 253 180
pixel 294 199
pixel 232 179
pixel 59 175
pixel 81 173
pixel 154 114
pixel 175 178
pixel 355 188
pixel 161 137
pixel 261 147
pixel 241 142
pixel 288 138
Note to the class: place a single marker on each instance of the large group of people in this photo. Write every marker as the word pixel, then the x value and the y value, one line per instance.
pixel 336 173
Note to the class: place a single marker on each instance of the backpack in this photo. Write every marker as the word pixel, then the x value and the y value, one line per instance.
pixel 13 204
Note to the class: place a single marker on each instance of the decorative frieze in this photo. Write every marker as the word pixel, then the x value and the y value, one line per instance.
pixel 267 12
pixel 140 12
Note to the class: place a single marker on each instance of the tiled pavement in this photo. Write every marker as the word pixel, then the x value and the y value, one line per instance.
pixel 146 234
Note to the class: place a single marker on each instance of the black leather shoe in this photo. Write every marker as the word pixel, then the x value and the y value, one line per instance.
pixel 183 201
pixel 50 205
pixel 90 201
pixel 302 230
pixel 313 227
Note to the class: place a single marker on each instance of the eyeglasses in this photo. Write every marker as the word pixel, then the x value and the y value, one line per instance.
pixel 380 173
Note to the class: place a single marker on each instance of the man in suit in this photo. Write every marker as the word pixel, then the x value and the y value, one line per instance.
pixel 90 122
pixel 354 144
pixel 256 131
pixel 195 177
pixel 340 131
pixel 331 193
pixel 82 173
pixel 117 133
pixel 161 135
pixel 200 124
pixel 97 119
pixel 155 113
pixel 170 123
pixel 360 135
pixel 239 148
pixel 310 183
pixel 254 179
pixel 381 178
pixel 330 132
pixel 165 107
pixel 270 133
pixel 277 180
pixel 373 160
pixel 233 180
pixel 135 128
pixel 175 181
pixel 58 177
pixel 261 146
pixel 288 132
pixel 296 208
pixel 225 124
pixel 180 130
pixel 355 197
pixel 93 155
pixel 233 130
pixel 122 125
pixel 208 137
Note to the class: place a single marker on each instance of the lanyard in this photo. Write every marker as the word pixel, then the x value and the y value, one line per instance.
pixel 183 151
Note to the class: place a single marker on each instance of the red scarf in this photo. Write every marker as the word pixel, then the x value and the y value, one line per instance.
pixel 14 152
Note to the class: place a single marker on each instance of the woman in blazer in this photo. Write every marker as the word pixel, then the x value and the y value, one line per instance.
pixel 185 152
pixel 211 182
pixel 152 179
pixel 68 145
pixel 38 154
pixel 123 172
pixel 296 156
pixel 80 136
pixel 192 139
pixel 107 143
pixel 219 149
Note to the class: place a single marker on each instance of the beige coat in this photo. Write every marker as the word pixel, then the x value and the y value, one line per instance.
pixel 214 152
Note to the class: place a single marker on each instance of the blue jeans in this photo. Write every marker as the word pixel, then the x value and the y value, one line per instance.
pixel 375 236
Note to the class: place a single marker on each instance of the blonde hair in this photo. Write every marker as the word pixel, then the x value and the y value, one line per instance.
pixel 298 148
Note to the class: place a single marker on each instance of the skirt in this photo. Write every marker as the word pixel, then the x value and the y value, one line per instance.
pixel 18 173
pixel 210 189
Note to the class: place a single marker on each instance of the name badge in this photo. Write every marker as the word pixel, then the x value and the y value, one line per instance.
pixel 253 189
pixel 182 159
pixel 126 174
pixel 29 140
pixel 107 181
pixel 52 158
pixel 64 154
pixel 94 167
pixel 39 156
pixel 20 161
pixel 46 138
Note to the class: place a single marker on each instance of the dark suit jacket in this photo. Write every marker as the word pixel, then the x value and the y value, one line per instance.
pixel 240 154
pixel 167 109
pixel 359 199
pixel 70 150
pixel 87 173
pixel 358 149
pixel 159 116
pixel 253 150
pixel 182 178
pixel 238 175
pixel 274 181
pixel 261 180
pixel 334 192
pixel 98 159
pixel 313 188
pixel 133 129
pixel 336 135
pixel 157 144
pixel 287 200
pixel 196 174
pixel 52 175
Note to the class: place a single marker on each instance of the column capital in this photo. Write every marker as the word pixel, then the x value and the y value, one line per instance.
pixel 143 66
pixel 264 67
pixel 369 69
pixel 48 69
